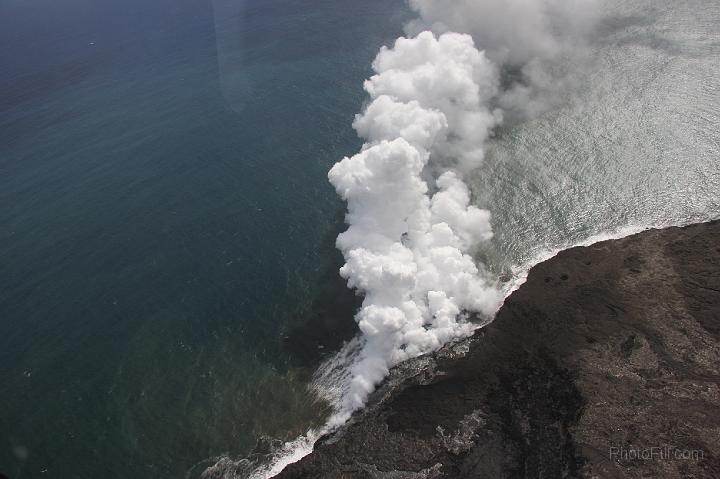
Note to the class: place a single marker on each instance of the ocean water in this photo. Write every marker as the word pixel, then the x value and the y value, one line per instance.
pixel 167 270
pixel 635 143
pixel 166 224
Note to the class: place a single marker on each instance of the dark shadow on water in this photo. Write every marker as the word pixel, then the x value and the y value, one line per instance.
pixel 322 326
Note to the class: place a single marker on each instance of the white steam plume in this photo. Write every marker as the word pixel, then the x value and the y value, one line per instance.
pixel 411 233
pixel 434 104
pixel 535 39
pixel 511 31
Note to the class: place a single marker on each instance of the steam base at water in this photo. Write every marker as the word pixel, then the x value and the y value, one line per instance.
pixel 412 228
pixel 435 99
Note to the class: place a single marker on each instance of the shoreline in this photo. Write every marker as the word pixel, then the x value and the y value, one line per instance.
pixel 483 406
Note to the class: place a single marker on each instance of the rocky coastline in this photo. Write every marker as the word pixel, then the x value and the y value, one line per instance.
pixel 604 364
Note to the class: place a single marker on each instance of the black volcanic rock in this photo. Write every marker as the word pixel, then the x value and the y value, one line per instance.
pixel 605 363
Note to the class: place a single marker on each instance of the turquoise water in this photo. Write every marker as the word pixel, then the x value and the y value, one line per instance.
pixel 166 229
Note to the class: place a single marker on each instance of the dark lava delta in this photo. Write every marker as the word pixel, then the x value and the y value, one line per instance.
pixel 604 364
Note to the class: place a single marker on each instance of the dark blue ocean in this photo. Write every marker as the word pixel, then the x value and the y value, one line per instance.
pixel 167 267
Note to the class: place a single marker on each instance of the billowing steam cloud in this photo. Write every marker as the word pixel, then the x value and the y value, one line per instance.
pixel 410 235
pixel 510 31
pixel 532 40
pixel 435 101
